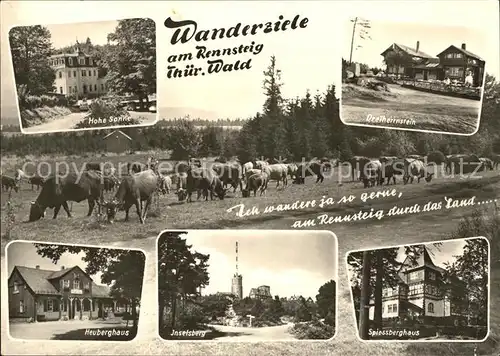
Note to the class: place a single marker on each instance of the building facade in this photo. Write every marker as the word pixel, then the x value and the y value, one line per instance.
pixel 68 294
pixel 237 285
pixel 423 290
pixel 118 142
pixel 77 74
pixel 262 292
pixel 455 63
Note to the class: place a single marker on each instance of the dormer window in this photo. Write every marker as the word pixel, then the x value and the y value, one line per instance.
pixel 16 287
pixel 81 61
pixel 91 61
pixel 70 61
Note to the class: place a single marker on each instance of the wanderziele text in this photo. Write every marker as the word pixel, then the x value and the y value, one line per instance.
pixel 187 30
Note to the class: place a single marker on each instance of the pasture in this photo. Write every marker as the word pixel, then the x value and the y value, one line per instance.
pixel 405 229
pixel 433 112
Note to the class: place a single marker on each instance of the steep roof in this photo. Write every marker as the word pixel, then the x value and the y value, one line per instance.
pixel 120 132
pixel 424 260
pixel 467 53
pixel 39 281
pixel 411 51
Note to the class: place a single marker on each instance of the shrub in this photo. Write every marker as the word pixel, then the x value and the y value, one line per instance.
pixel 33 101
pixel 313 330
pixel 10 217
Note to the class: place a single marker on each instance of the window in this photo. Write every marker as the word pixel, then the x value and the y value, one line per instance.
pixel 95 85
pixel 61 90
pixel 86 286
pixel 81 61
pixel 84 89
pixel 384 292
pixel 21 306
pixel 394 308
pixel 91 62
pixel 84 73
pixel 50 305
pixel 413 276
pixel 66 283
pixel 90 73
pixel 430 308
pixel 69 74
pixel 453 55
pixel 76 284
pixel 70 61
pixel 416 289
pixel 389 308
pixel 90 88
pixel 95 73
pixel 432 276
pixel 74 73
pixel 16 288
pixel 60 74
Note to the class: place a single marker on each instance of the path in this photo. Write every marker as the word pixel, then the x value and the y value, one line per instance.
pixel 68 122
pixel 268 333
pixel 46 330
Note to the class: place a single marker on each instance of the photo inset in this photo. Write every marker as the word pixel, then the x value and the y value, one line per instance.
pixel 85 75
pixel 73 292
pixel 237 285
pixel 427 292
pixel 410 76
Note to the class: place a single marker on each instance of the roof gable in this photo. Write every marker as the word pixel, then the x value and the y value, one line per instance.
pixel 464 51
pixel 120 132
pixel 63 272
pixel 424 260
pixel 411 51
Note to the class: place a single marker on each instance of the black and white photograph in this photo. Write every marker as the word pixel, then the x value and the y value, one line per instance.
pixel 258 285
pixel 429 292
pixel 414 76
pixel 85 75
pixel 72 292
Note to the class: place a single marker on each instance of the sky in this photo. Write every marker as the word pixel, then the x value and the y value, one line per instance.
pixel 290 262
pixel 309 58
pixel 63 35
pixel 440 255
pixel 24 254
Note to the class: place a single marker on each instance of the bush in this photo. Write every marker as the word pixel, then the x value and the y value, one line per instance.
pixel 33 101
pixel 436 157
pixel 313 330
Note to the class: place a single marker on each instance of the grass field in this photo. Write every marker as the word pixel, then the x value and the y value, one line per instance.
pixel 405 229
pixel 429 111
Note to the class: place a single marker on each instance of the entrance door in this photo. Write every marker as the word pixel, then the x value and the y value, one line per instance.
pixel 73 309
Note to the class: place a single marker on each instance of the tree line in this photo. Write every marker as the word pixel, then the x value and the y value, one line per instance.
pixel 304 127
pixel 182 271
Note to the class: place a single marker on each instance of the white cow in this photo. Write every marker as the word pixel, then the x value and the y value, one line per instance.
pixel 277 172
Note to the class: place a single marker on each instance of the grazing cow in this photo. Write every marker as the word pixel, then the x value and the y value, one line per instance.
pixel 204 180
pixel 133 190
pixel 386 159
pixel 135 167
pixel 246 167
pixel 181 190
pixel 357 163
pixel 455 163
pixel 9 183
pixel 250 173
pixel 419 157
pixel 36 180
pixel 393 168
pixel 257 181
pixel 308 169
pixel 496 160
pixel 58 190
pixel 487 164
pixel 229 173
pixel 260 164
pixel 92 166
pixel 165 184
pixel 372 174
pixel 277 172
pixel 416 169
pixel 292 169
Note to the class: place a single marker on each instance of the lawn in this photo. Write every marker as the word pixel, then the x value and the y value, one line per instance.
pixel 405 229
pixel 424 111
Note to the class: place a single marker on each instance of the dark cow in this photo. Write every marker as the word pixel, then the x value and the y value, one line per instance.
pixel 257 181
pixel 181 186
pixel 393 168
pixel 36 180
pixel 110 183
pixel 58 190
pixel 204 180
pixel 90 166
pixel 416 169
pixel 135 167
pixel 357 163
pixel 309 169
pixel 229 173
pixel 133 190
pixel 486 164
pixel 9 183
pixel 455 163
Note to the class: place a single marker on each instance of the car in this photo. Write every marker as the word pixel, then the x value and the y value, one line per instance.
pixel 152 107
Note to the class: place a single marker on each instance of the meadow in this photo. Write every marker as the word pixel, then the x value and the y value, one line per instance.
pixel 396 230
pixel 433 112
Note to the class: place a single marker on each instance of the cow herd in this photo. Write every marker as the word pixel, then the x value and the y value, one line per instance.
pixel 140 183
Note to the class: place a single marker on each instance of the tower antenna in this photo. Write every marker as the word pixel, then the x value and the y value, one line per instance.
pixel 236 257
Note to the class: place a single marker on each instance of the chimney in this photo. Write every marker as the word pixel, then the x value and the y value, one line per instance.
pixel 463 46
pixel 418 46
pixel 37 267
pixel 62 267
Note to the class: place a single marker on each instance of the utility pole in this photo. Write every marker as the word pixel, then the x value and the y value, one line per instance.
pixel 364 24
pixel 352 38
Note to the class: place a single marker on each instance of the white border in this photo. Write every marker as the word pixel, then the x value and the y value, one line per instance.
pixel 79 245
pixel 223 232
pixel 9 57
pixel 385 341
pixel 478 122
